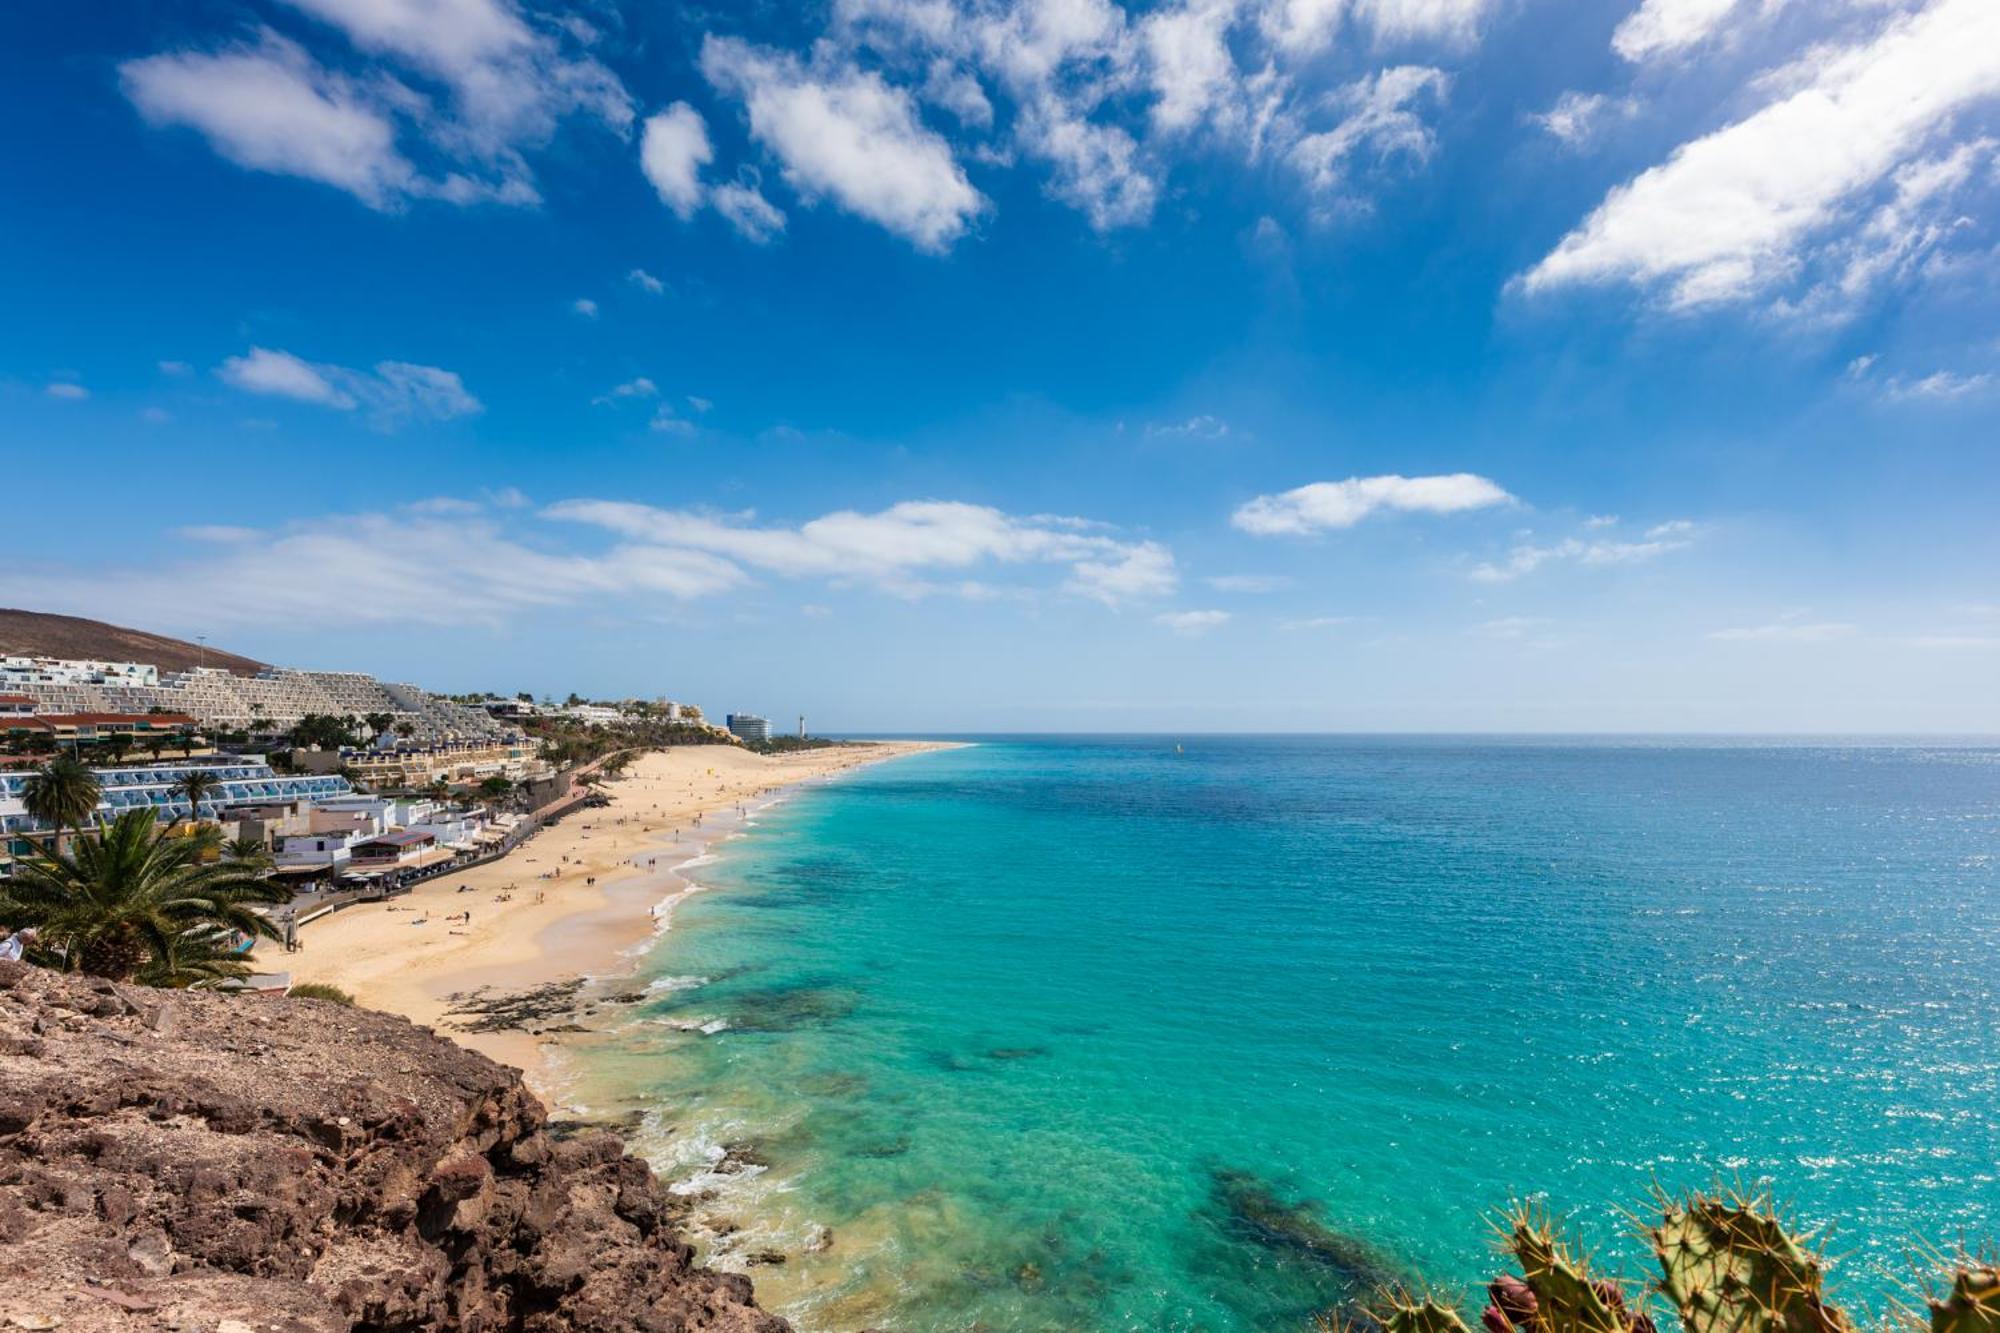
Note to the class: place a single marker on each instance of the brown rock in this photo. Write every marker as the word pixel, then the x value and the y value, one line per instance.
pixel 203 1162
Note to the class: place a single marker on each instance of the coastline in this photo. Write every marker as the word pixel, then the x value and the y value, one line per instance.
pixel 405 957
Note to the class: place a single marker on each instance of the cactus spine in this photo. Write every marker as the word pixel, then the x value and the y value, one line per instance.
pixel 1971 1304
pixel 1561 1296
pixel 1729 1266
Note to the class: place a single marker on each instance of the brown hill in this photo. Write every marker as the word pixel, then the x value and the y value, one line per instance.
pixel 39 634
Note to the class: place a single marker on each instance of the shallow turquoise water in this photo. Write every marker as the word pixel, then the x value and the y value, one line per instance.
pixel 1087 1034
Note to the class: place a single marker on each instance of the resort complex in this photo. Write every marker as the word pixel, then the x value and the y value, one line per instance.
pixel 341 779
pixel 217 698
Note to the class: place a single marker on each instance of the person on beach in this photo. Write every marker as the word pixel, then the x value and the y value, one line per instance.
pixel 13 943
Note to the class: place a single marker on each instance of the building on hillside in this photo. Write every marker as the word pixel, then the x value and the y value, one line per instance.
pixel 16 672
pixel 404 767
pixel 55 729
pixel 749 727
pixel 596 715
pixel 274 699
pixel 16 705
pixel 239 782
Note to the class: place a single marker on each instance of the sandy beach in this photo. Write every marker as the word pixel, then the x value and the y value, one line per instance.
pixel 537 917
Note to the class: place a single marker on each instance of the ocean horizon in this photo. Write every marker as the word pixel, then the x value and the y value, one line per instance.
pixel 1095 1032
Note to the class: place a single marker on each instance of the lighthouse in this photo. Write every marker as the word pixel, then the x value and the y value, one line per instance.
pixel 802 726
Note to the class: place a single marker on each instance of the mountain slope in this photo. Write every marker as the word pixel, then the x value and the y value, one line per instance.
pixel 39 634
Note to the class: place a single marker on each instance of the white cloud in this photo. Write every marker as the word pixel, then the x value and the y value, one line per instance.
pixel 1940 386
pixel 1577 117
pixel 747 210
pixel 225 534
pixel 895 545
pixel 1793 628
pixel 63 389
pixel 282 375
pixel 1192 623
pixel 1665 27
pixel 398 391
pixel 269 106
pixel 585 307
pixel 645 282
pixel 1248 583
pixel 699 403
pixel 1527 557
pixel 1378 120
pixel 847 134
pixel 1746 207
pixel 667 422
pixel 1102 94
pixel 1189 60
pixel 638 387
pixel 1307 27
pixel 510 83
pixel 1859 367
pixel 1326 505
pixel 1202 427
pixel 1097 167
pixel 1601 521
pixel 1318 622
pixel 394 392
pixel 385 569
pixel 176 368
pixel 672 152
pixel 450 561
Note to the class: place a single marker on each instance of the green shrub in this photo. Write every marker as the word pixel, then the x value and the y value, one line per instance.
pixel 319 990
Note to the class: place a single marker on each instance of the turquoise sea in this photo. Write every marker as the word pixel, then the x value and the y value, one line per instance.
pixel 1092 1034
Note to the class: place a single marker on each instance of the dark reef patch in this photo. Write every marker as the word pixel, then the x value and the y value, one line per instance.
pixel 791 1008
pixel 1253 1211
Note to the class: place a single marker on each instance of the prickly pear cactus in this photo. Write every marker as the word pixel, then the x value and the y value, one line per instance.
pixel 1566 1298
pixel 1409 1314
pixel 1971 1305
pixel 1729 1266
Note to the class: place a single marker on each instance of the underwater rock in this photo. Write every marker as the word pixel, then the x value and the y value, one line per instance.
pixel 1254 1212
pixel 892 1148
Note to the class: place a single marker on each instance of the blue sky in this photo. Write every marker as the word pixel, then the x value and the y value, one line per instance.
pixel 1026 364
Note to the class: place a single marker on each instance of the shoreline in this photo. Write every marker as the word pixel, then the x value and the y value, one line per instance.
pixel 540 933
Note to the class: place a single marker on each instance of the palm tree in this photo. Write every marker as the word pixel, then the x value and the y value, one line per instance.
pixel 155 744
pixel 194 958
pixel 248 852
pixel 129 899
pixel 185 739
pixel 406 729
pixel 62 793
pixel 378 722
pixel 195 786
pixel 118 747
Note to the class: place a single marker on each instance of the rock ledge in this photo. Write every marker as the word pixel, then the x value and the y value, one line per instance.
pixel 174 1160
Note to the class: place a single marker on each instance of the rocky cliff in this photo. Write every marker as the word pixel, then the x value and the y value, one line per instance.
pixel 171 1160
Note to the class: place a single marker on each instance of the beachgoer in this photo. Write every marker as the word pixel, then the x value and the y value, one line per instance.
pixel 10 946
